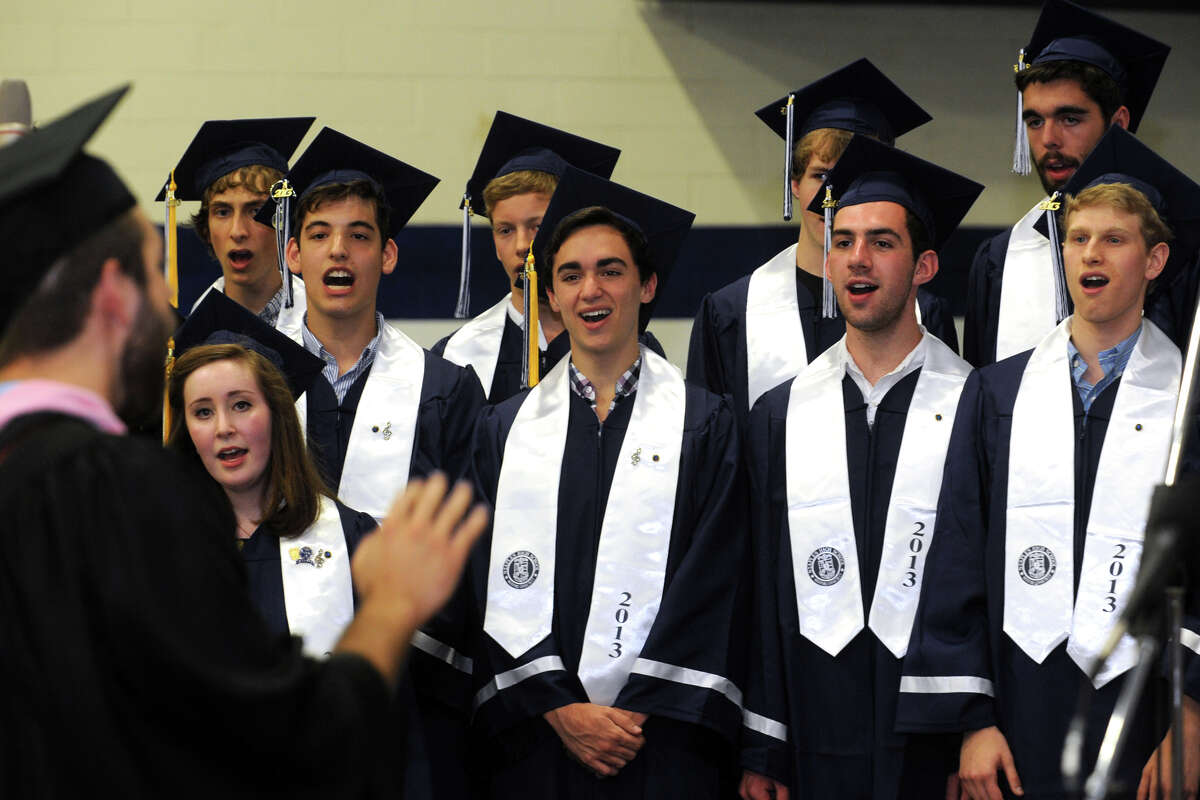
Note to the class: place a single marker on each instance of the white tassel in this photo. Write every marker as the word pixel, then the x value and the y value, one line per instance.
pixel 1062 307
pixel 789 142
pixel 829 308
pixel 462 308
pixel 1021 164
pixel 282 193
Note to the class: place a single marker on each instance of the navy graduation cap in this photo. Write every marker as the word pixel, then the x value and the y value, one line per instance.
pixel 224 145
pixel 334 157
pixel 219 320
pixel 1068 32
pixel 53 196
pixel 870 171
pixel 856 98
pixel 514 144
pixel 665 226
pixel 1121 158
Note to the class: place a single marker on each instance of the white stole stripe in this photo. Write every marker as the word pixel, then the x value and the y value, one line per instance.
pixel 631 561
pixel 317 591
pixel 1040 607
pixel 382 438
pixel 1132 463
pixel 826 572
pixel 764 725
pixel 912 510
pixel 946 684
pixel 689 677
pixel 1026 289
pixel 520 585
pixel 293 317
pixel 506 680
pixel 477 343
pixel 442 652
pixel 1190 639
pixel 775 348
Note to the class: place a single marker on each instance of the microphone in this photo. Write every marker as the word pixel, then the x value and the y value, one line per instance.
pixel 16 116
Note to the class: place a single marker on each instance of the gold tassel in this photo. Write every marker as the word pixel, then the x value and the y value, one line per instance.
pixel 531 291
pixel 172 269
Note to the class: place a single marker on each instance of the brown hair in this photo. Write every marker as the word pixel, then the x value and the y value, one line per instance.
pixel 335 192
pixel 255 178
pixel 828 144
pixel 523 181
pixel 1122 197
pixel 1095 82
pixel 54 314
pixel 293 487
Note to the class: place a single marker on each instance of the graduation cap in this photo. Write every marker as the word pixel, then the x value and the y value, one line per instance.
pixel 514 144
pixel 219 320
pixel 665 226
pixel 1121 158
pixel 224 145
pixel 856 98
pixel 1068 32
pixel 334 157
pixel 873 172
pixel 53 196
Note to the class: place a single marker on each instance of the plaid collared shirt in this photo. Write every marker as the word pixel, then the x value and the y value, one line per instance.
pixel 270 312
pixel 341 384
pixel 626 384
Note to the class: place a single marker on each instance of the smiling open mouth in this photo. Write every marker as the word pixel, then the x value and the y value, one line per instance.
pixel 339 277
pixel 595 316
pixel 861 288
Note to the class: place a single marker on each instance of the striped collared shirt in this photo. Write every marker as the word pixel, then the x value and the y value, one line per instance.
pixel 626 384
pixel 341 384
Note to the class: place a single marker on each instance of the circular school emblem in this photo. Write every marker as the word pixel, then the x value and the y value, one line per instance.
pixel 825 566
pixel 521 569
pixel 1036 565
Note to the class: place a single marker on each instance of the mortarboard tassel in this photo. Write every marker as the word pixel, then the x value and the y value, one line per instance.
pixel 531 354
pixel 789 141
pixel 828 299
pixel 171 267
pixel 282 221
pixel 1051 207
pixel 1020 164
pixel 462 309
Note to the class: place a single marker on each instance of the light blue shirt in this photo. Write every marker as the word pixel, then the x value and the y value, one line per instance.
pixel 1112 361
pixel 342 384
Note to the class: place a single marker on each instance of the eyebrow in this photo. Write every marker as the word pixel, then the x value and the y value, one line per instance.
pixel 358 223
pixel 871 232
pixel 1078 111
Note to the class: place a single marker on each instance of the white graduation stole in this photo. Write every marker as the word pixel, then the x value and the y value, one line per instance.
pixel 384 432
pixel 477 343
pixel 1039 549
pixel 317 592
pixel 634 537
pixel 1026 290
pixel 825 567
pixel 775 347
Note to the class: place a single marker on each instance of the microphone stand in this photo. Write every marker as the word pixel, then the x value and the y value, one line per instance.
pixel 1173 535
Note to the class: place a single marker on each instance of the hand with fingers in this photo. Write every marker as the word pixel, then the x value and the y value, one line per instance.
pixel 602 738
pixel 760 787
pixel 407 569
pixel 984 753
pixel 1157 774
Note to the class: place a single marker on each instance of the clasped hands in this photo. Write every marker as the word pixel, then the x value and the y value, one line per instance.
pixel 602 738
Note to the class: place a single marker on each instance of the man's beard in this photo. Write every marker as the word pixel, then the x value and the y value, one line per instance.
pixel 141 375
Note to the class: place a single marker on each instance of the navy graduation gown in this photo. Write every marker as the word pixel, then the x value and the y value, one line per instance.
pixel 450 401
pixel 717 350
pixel 691 729
pixel 1170 307
pixel 839 711
pixel 133 654
pixel 506 380
pixel 959 626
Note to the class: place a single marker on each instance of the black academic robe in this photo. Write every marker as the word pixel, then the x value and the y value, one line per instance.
pixel 506 380
pixel 717 350
pixel 133 656
pixel 450 401
pixel 1170 306
pixel 959 626
pixel 839 710
pixel 691 730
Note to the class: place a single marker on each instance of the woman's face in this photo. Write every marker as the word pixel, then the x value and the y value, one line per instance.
pixel 230 424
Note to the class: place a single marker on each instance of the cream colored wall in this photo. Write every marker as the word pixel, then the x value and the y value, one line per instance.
pixel 673 84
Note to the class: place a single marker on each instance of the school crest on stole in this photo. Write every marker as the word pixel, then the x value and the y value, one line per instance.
pixel 1036 565
pixel 521 569
pixel 826 566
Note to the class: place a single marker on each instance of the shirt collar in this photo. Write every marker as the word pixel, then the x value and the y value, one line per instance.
pixel 313 345
pixel 626 384
pixel 18 398
pixel 1112 361
pixel 911 363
